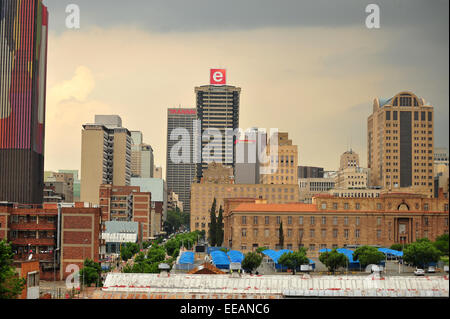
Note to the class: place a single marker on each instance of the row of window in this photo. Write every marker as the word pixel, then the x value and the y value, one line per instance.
pixel 312 233
pixel 312 220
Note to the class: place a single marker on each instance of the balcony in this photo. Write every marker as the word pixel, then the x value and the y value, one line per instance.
pixel 32 226
pixel 33 241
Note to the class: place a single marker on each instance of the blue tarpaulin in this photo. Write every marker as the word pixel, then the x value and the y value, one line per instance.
pixel 275 255
pixel 186 258
pixel 220 259
pixel 235 256
pixel 392 252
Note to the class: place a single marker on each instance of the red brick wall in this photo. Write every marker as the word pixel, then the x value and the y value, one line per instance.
pixel 78 225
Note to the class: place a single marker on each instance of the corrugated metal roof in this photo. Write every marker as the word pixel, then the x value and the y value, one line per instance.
pixel 279 285
pixel 152 185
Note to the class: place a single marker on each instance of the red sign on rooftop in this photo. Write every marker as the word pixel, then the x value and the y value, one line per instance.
pixel 218 77
pixel 182 111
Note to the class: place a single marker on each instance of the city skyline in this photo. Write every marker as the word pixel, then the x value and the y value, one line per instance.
pixel 326 73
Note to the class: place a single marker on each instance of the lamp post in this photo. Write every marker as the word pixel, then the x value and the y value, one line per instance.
pixel 54 268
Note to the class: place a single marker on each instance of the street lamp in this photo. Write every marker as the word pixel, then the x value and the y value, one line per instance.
pixel 54 266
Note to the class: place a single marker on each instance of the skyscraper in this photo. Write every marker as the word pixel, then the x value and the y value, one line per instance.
pixel 180 174
pixel 217 109
pixel 105 156
pixel 23 65
pixel 142 160
pixel 400 143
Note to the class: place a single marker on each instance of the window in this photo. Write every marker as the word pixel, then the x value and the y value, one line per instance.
pixel 357 221
pixel 324 220
pixel 335 220
pixel 425 221
pixel 388 115
pixel 394 115
pixel 324 233
pixel 346 233
pixel 358 205
pixel 266 220
pixel 335 233
pixel 379 206
pixel 289 220
pixel 266 232
pixel 378 234
pixel 345 205
pixel 346 220
pixel 425 206
pixel 244 232
pixel 244 220
pixel 300 234
pixel 335 205
pixel 255 232
pixel 278 220
pixel 357 233
pixel 378 221
pixel 324 205
pixel 300 220
pixel 289 233
pixel 312 247
pixel 255 220
pixel 312 220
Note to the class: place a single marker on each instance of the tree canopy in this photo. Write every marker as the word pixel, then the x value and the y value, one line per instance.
pixel 11 285
pixel 368 255
pixel 251 261
pixel 333 260
pixel 294 260
pixel 421 253
pixel 90 273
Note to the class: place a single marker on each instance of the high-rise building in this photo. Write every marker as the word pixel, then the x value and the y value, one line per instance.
pixel 23 65
pixel 286 162
pixel 401 143
pixel 105 156
pixel 61 183
pixel 247 166
pixel 180 167
pixel 217 110
pixel 350 174
pixel 142 160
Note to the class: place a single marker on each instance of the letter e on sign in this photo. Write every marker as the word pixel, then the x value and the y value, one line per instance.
pixel 218 77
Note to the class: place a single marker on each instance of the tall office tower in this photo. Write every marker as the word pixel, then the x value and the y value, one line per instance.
pixel 180 167
pixel 349 159
pixel 23 66
pixel 283 165
pixel 400 144
pixel 218 110
pixel 246 169
pixel 105 156
pixel 142 161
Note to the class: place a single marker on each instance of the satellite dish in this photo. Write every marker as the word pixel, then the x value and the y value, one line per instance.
pixel 29 257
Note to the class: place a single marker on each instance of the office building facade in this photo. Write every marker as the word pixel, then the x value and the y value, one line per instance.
pixel 23 62
pixel 180 168
pixel 217 109
pixel 400 143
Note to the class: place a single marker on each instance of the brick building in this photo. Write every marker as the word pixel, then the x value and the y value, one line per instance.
pixel 54 235
pixel 128 203
pixel 334 222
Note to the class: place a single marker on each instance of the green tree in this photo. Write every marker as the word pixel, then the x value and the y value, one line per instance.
pixel 251 261
pixel 368 255
pixel 281 236
pixel 128 250
pixel 294 260
pixel 259 250
pixel 90 273
pixel 333 260
pixel 441 244
pixel 156 254
pixel 219 225
pixel 213 224
pixel 172 245
pixel 421 254
pixel 11 285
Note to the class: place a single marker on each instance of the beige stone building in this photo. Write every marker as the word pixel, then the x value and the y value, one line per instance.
pixel 105 157
pixel 63 184
pixel 220 186
pixel 400 144
pixel 286 161
pixel 331 222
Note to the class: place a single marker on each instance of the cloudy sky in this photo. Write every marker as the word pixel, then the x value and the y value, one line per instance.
pixel 310 68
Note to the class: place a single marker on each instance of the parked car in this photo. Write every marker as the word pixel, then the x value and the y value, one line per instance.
pixel 431 269
pixel 419 272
